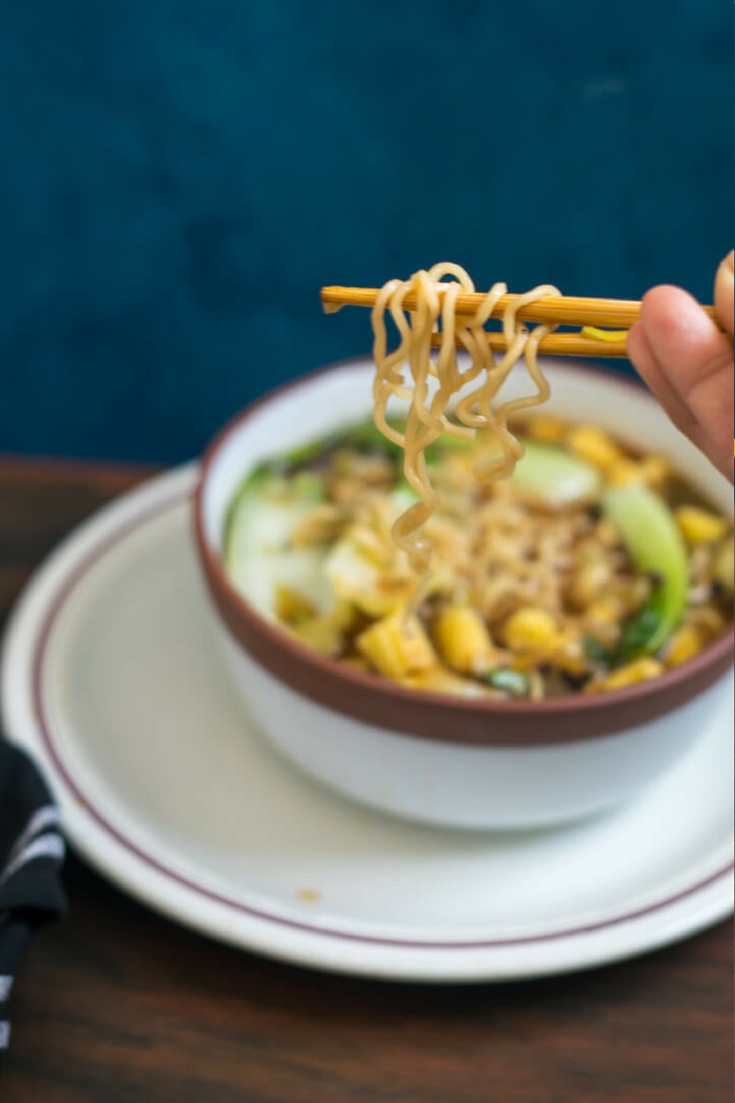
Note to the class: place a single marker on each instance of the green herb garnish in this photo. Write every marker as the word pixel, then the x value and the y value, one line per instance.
pixel 640 634
pixel 596 651
pixel 509 681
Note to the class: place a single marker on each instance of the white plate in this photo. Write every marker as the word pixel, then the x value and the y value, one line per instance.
pixel 111 679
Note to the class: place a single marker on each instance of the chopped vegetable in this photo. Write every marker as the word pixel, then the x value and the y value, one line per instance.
pixel 323 634
pixel 291 606
pixel 652 471
pixel 509 681
pixel 596 651
pixel 624 472
pixel 396 646
pixel 650 534
pixel 257 551
pixel 640 633
pixel 699 526
pixel 556 477
pixel 463 639
pixel 687 642
pixel 531 628
pixel 594 445
pixel 639 671
pixel 438 680
pixel 435 451
pixel 549 430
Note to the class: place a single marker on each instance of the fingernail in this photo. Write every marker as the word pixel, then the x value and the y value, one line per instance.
pixel 724 288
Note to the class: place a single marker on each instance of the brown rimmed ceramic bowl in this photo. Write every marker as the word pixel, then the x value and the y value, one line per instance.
pixel 431 757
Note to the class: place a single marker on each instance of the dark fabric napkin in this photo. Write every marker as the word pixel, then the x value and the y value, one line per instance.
pixel 31 855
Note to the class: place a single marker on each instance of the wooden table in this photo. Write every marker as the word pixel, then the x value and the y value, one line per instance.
pixel 118 1005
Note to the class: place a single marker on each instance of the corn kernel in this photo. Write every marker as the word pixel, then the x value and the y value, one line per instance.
pixel 292 607
pixel 684 645
pixel 550 430
pixel 594 445
pixel 396 647
pixel 439 680
pixel 626 472
pixel 570 657
pixel 657 470
pixel 463 640
pixel 529 628
pixel 699 526
pixel 642 670
pixel 323 634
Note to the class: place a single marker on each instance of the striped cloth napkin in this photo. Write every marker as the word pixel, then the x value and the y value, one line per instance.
pixel 31 854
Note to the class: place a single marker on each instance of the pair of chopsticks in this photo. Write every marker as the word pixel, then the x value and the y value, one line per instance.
pixel 593 316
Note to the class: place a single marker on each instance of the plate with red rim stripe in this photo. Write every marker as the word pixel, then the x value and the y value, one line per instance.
pixel 111 678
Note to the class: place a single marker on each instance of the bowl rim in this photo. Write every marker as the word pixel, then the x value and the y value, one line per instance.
pixel 425 713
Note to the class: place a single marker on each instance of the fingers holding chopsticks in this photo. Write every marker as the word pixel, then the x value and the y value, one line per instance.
pixel 687 361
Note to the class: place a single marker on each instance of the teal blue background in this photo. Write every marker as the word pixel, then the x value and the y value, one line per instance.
pixel 178 180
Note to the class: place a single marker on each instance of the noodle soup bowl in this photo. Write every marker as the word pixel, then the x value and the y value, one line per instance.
pixel 469 763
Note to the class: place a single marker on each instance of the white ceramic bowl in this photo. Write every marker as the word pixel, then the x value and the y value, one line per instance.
pixel 430 757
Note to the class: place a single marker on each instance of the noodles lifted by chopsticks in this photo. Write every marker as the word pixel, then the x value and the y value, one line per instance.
pixel 429 402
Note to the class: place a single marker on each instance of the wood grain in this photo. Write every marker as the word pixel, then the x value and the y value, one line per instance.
pixel 118 1005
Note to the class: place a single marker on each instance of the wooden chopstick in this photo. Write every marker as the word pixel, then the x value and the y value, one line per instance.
pixel 571 310
pixel 562 344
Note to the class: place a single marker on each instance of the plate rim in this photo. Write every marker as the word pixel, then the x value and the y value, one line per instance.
pixel 30 628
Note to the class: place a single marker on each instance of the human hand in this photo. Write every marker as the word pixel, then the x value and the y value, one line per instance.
pixel 688 363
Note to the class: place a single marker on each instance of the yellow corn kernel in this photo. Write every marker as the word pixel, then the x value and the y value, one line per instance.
pixel 570 657
pixel 684 645
pixel 625 472
pixel 439 680
pixel 642 670
pixel 463 640
pixel 531 628
pixel 657 470
pixel 699 526
pixel 594 445
pixel 323 634
pixel 652 471
pixel 396 647
pixel 292 607
pixel 550 430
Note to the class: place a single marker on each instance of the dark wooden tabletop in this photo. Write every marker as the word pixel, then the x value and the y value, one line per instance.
pixel 118 1005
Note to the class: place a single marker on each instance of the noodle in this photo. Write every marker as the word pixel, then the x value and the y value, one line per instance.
pixel 435 382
